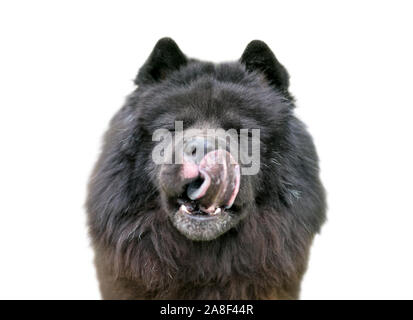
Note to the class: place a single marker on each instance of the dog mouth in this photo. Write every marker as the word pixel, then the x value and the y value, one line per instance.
pixel 205 210
pixel 194 209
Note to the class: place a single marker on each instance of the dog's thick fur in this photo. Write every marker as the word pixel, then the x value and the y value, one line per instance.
pixel 139 253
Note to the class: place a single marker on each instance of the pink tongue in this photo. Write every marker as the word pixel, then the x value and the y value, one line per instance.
pixel 221 176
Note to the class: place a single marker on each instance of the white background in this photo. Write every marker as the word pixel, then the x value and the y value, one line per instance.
pixel 66 67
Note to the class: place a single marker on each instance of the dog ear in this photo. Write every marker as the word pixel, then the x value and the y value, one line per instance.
pixel 165 58
pixel 259 57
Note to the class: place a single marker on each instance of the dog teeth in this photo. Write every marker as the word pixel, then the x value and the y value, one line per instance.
pixel 184 209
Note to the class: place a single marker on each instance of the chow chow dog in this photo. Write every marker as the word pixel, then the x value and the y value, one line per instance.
pixel 206 225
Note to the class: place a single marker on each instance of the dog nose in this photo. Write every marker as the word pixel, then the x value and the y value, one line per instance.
pixel 197 147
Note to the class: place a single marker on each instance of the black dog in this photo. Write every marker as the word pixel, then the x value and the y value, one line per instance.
pixel 200 229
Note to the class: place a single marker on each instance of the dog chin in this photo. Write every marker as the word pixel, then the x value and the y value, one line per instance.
pixel 203 226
